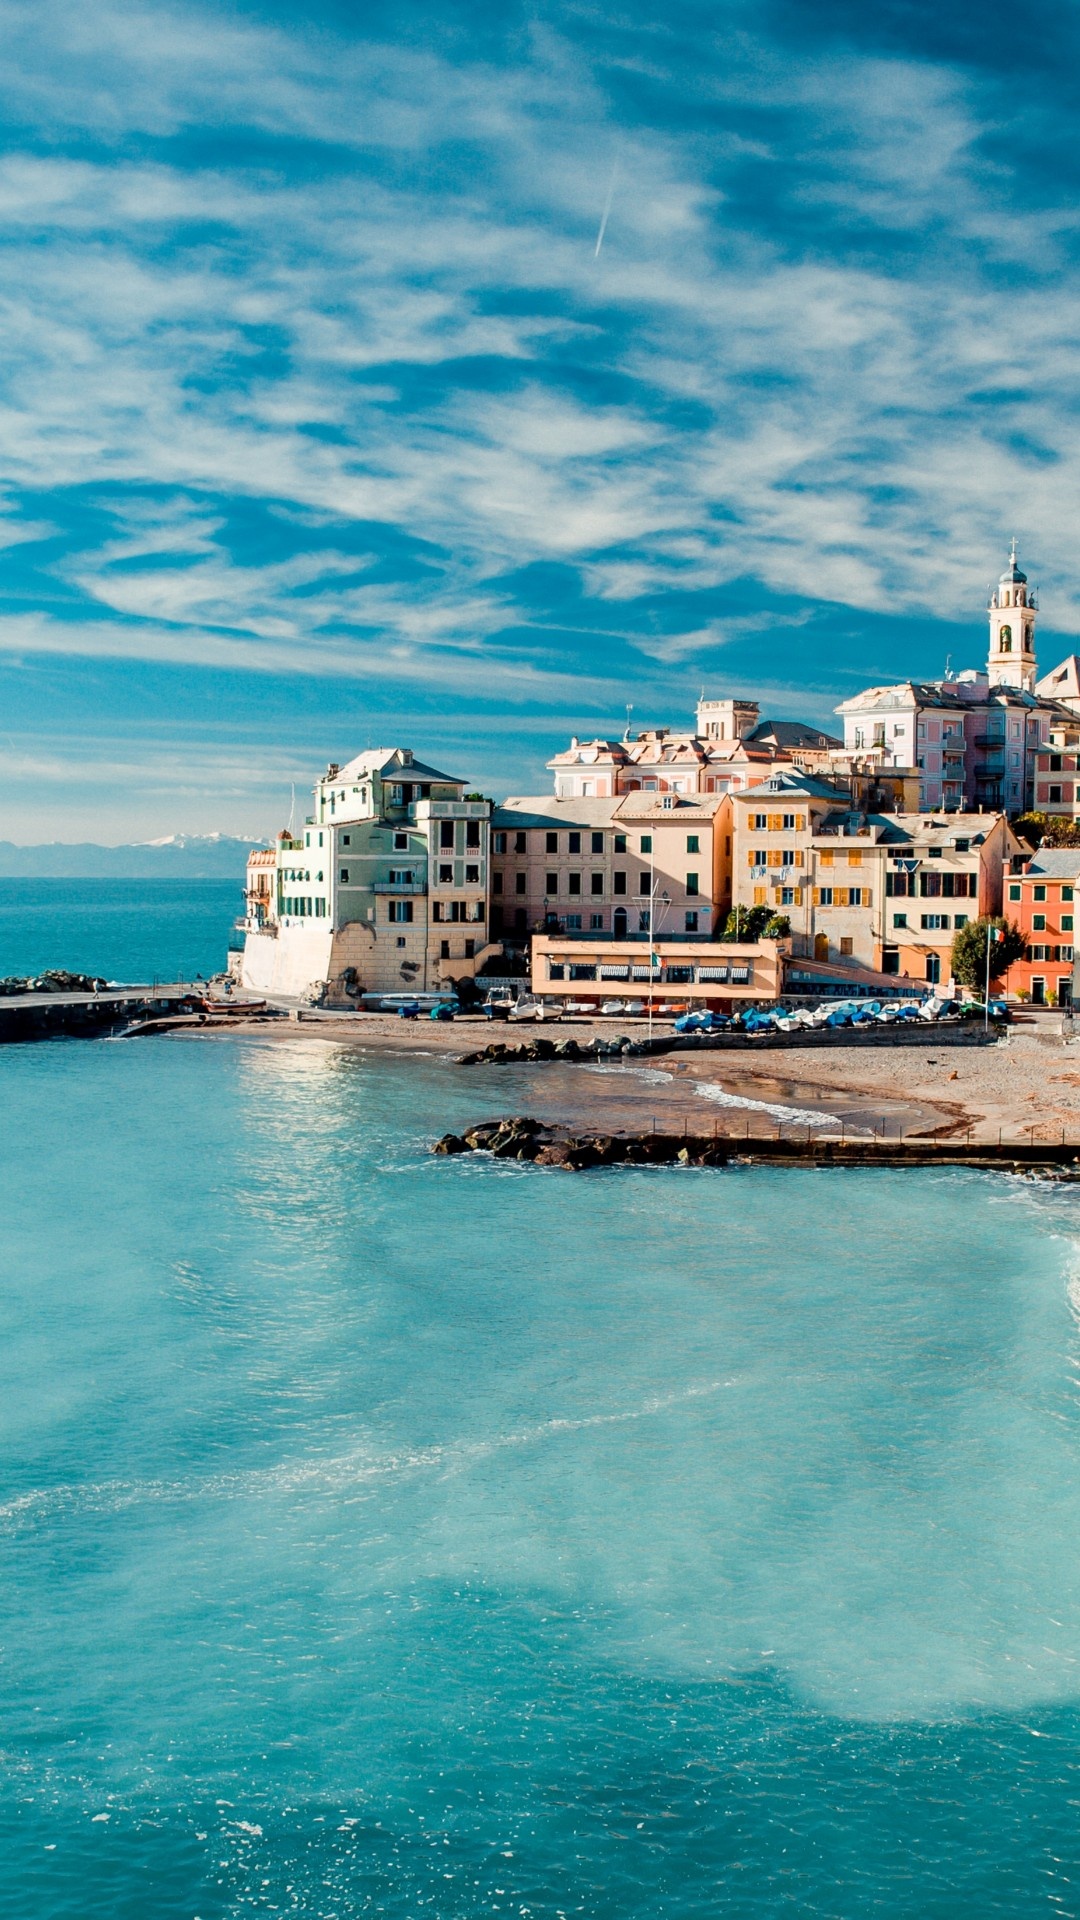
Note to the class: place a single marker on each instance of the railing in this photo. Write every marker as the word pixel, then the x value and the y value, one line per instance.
pixel 399 886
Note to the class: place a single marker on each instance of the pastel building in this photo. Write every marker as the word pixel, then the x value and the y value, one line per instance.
pixel 384 888
pixel 731 748
pixel 974 738
pixel 599 867
pixel 886 892
pixel 1042 902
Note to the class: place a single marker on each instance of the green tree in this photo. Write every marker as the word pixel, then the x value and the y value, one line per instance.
pixel 1047 830
pixel 969 951
pixel 777 928
pixel 746 923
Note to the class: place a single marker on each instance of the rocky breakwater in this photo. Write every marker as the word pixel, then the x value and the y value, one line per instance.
pixel 524 1139
pixel 500 1054
pixel 54 981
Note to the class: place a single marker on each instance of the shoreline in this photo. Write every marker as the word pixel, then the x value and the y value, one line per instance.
pixel 1025 1086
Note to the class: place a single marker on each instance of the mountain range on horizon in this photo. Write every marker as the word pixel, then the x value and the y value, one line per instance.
pixel 178 856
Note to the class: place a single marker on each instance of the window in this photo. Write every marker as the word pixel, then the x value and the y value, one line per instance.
pixel 646 843
pixel 400 941
pixel 962 846
pixel 1066 923
pixel 472 834
pixel 519 843
pixel 344 876
pixel 960 920
pixel 693 844
pixel 573 922
pixel 496 883
pixel 472 876
pixel 346 840
pixel 1014 890
pixel 1055 795
pixel 643 920
pixel 400 911
pixel 401 843
pixel 618 882
pixel 596 883
pixel 596 922
pixel 1055 763
pixel 787 896
pixel 1066 893
pixel 934 922
pixel 760 896
pixel 759 822
pixel 598 843
pixel 643 883
pixel 691 885
pixel 1039 893
pixel 519 883
pixel 690 923
pixel 470 949
pixel 1038 923
pixel 899 919
pixel 444 949
pixel 401 876
pixel 825 858
pixel 446 875
pixel 500 843
pixel 551 883
pixel 551 843
pixel 825 896
pixel 574 842
pixel 446 834
pixel 573 882
pixel 620 843
pixel 847 945
pixel 855 897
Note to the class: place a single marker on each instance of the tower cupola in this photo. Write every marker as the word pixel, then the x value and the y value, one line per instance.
pixel 1013 609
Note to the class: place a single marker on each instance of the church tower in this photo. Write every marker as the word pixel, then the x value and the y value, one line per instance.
pixel 1012 630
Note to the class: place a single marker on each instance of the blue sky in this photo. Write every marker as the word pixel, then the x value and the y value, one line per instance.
pixel 324 423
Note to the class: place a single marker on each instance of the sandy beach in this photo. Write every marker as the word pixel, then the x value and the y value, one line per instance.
pixel 1027 1084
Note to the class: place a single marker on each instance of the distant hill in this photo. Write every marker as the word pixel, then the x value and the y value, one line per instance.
pixel 183 856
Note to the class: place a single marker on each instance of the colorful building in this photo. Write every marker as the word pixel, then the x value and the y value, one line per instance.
pixel 1042 903
pixel 385 888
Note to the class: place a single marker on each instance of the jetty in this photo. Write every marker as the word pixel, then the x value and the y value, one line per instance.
pixel 86 1014
pixel 579 1151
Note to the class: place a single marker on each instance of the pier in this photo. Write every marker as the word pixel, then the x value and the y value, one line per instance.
pixel 49 1016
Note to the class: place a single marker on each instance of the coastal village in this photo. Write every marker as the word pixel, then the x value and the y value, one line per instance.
pixel 738 861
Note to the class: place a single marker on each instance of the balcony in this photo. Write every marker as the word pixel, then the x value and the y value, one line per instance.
pixel 399 886
pixel 988 742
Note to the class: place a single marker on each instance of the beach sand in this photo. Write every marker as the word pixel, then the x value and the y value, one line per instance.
pixel 1025 1085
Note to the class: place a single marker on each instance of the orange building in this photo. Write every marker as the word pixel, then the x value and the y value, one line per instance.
pixel 1041 901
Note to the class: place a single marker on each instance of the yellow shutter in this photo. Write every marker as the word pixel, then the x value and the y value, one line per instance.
pixel 854 859
pixel 759 897
pixel 826 859
pixel 776 856
pixel 867 897
pixel 840 897
pixel 798 896
pixel 750 857
pixel 800 823
pixel 776 822
pixel 817 896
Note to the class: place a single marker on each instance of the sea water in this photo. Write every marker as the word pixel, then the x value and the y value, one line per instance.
pixel 391 1535
pixel 126 930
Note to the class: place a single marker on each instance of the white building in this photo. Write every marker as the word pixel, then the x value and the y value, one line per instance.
pixel 384 889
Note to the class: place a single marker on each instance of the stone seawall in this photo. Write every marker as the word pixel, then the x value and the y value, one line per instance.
pixel 525 1139
pixel 540 1047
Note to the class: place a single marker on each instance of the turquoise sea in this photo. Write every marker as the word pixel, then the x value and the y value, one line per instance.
pixel 127 930
pixel 383 1535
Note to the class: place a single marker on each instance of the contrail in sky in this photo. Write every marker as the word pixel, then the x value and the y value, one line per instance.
pixel 607 210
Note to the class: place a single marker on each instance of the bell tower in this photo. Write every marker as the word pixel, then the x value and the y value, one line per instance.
pixel 1013 609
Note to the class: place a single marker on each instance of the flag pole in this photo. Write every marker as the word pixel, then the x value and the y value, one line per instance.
pixel 986 1005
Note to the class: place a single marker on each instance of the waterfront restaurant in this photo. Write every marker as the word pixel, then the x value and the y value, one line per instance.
pixel 693 973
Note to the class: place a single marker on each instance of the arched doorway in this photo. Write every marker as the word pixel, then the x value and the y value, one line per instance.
pixel 821 946
pixel 933 968
pixel 619 923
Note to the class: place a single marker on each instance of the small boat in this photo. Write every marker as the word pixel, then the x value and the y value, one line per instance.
pixel 208 1005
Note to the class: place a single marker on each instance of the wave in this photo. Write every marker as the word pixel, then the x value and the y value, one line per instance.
pixel 806 1116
